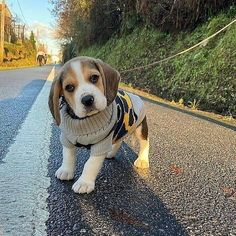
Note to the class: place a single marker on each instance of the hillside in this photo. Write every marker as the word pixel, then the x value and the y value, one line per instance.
pixel 17 55
pixel 204 78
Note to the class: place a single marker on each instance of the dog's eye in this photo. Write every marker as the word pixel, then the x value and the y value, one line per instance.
pixel 70 88
pixel 94 79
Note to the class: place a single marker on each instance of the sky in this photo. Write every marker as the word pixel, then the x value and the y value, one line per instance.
pixel 37 15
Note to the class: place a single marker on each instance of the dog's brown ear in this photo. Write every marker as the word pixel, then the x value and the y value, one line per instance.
pixel 111 79
pixel 54 96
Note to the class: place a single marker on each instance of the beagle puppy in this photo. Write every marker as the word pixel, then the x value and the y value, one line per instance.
pixel 91 112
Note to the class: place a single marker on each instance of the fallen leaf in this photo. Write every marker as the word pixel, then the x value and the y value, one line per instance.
pixel 122 216
pixel 175 169
pixel 229 192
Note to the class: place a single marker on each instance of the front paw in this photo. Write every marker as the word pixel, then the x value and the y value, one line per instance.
pixel 64 173
pixel 141 163
pixel 83 186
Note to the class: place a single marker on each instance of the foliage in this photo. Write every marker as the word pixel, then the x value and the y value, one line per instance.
pixel 13 37
pixel 19 54
pixel 32 40
pixel 69 51
pixel 85 22
pixel 89 21
pixel 172 15
pixel 204 78
pixel 128 33
pixel 104 20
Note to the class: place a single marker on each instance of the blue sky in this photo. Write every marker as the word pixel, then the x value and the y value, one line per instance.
pixel 37 16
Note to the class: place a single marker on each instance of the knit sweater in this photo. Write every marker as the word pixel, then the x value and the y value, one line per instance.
pixel 99 131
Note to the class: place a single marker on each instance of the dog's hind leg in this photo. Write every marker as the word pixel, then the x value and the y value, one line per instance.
pixel 141 133
pixel 115 149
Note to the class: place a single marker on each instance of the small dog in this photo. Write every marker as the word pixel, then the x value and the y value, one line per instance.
pixel 91 112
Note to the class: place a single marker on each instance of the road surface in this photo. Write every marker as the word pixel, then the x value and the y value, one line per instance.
pixel 189 189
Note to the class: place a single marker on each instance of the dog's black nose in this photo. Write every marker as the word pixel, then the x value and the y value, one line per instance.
pixel 87 100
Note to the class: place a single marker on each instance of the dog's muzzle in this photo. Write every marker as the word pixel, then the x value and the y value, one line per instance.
pixel 87 100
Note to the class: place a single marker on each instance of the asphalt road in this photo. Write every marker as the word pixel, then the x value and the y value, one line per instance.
pixel 189 189
pixel 18 90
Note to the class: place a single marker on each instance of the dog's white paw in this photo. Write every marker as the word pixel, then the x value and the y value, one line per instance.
pixel 141 163
pixel 64 173
pixel 83 186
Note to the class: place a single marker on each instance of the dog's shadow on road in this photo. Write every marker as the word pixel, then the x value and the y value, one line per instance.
pixel 124 203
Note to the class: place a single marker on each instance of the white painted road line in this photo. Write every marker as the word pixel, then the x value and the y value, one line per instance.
pixel 23 175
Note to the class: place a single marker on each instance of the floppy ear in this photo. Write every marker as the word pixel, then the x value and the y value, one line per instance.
pixel 54 96
pixel 111 79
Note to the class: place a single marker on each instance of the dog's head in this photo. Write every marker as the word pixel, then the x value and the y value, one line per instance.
pixel 87 84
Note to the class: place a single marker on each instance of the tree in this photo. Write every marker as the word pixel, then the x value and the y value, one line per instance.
pixel 85 22
pixel 32 40
pixel 13 37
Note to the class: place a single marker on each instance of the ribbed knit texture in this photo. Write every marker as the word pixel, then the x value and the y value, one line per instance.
pixel 90 130
pixel 96 129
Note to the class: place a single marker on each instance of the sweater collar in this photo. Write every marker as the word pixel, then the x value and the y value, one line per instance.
pixel 70 111
pixel 97 124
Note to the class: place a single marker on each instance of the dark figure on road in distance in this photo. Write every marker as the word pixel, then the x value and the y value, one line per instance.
pixel 40 60
pixel 45 59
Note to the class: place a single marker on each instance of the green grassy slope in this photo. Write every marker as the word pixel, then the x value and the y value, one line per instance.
pixel 204 78
pixel 17 55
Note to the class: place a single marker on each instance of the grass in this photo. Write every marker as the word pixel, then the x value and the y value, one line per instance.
pixel 18 56
pixel 228 120
pixel 17 67
pixel 203 79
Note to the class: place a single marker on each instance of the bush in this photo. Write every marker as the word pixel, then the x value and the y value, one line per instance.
pixel 205 76
pixel 19 54
pixel 172 15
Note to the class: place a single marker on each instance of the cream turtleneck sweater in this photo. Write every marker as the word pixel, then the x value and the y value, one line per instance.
pixel 97 130
pixel 94 130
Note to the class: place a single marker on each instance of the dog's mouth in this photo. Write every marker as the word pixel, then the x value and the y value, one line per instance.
pixel 87 112
pixel 91 111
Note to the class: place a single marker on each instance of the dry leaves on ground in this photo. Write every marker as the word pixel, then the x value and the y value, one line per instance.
pixel 122 216
pixel 175 169
pixel 230 193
